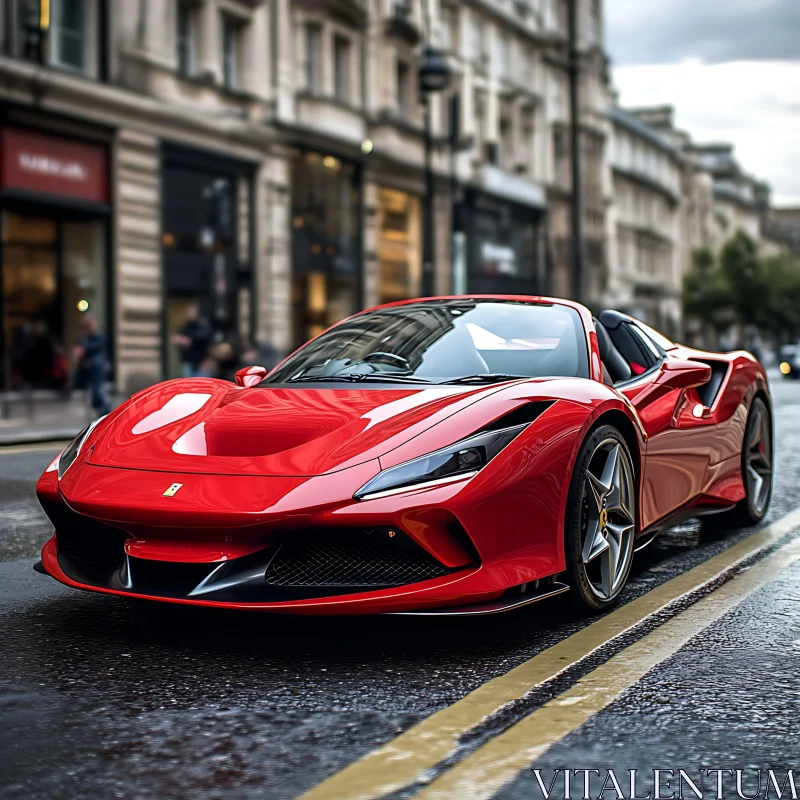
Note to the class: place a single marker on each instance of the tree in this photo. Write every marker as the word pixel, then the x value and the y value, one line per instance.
pixel 743 289
pixel 740 267
pixel 780 315
pixel 707 296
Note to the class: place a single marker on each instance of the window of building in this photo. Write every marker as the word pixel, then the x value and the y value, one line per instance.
pixel 341 67
pixel 53 273
pixel 231 35
pixel 527 149
pixel 502 56
pixel 561 157
pixel 326 235
pixel 475 41
pixel 527 72
pixel 399 250
pixel 450 37
pixel 550 15
pixel 313 60
pixel 185 39
pixel 505 151
pixel 480 122
pixel 403 87
pixel 74 36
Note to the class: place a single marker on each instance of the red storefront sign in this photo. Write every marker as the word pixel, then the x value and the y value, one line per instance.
pixel 44 164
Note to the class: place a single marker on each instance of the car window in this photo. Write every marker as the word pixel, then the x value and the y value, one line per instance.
pixel 446 340
pixel 640 353
pixel 648 343
pixel 657 338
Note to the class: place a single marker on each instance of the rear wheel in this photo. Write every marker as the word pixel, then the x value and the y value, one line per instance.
pixel 600 523
pixel 756 472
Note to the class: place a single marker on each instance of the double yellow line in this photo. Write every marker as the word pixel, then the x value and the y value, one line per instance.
pixel 406 759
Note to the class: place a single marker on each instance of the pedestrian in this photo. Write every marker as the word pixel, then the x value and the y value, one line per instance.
pixel 92 367
pixel 194 340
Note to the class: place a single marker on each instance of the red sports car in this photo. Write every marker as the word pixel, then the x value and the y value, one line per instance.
pixel 460 455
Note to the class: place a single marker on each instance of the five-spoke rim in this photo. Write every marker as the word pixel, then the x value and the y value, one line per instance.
pixel 608 519
pixel 758 458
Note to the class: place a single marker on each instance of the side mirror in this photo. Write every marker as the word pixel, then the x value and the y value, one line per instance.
pixel 679 374
pixel 250 376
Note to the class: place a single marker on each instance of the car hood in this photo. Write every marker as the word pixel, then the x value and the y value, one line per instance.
pixel 208 426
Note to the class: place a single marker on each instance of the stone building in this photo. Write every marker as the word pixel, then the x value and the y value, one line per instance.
pixel 645 223
pixel 739 199
pixel 266 161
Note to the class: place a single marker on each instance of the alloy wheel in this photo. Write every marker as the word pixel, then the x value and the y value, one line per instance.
pixel 608 519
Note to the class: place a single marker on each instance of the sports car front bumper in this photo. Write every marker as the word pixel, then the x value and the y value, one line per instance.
pixel 258 542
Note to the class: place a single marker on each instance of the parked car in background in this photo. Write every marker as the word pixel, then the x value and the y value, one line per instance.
pixel 789 360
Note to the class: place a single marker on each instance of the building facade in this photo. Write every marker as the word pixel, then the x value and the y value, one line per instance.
pixel 266 161
pixel 647 254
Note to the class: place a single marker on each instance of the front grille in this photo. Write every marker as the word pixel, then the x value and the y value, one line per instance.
pixel 363 558
pixel 87 540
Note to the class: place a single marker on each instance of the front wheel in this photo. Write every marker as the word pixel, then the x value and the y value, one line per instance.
pixel 600 523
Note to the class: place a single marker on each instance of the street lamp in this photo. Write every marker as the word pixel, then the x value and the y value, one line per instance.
pixel 434 76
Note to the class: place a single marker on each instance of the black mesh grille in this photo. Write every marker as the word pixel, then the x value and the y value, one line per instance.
pixel 85 539
pixel 352 558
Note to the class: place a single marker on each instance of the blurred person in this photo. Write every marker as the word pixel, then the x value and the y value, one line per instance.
pixel 92 366
pixel 194 340
pixel 223 358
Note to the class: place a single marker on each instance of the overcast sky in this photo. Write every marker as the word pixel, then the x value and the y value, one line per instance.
pixel 731 69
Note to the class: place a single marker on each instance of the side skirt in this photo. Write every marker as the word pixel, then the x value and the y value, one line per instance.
pixel 678 517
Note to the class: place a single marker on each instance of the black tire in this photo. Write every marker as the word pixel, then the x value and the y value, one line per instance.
pixel 585 521
pixel 754 507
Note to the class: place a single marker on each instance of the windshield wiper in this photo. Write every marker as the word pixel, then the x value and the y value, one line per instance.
pixel 359 377
pixel 495 377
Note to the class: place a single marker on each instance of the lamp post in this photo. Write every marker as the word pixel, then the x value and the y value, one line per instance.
pixel 434 76
pixel 578 261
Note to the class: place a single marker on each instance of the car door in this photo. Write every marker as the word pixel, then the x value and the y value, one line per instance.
pixel 677 459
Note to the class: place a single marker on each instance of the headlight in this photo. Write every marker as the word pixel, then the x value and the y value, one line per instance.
pixel 73 449
pixel 456 462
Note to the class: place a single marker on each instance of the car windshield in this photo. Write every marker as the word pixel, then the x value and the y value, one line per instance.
pixel 445 341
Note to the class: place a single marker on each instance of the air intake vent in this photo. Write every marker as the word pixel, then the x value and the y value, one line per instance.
pixel 523 415
pixel 358 558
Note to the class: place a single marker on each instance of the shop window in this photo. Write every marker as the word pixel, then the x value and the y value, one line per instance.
pixel 231 49
pixel 326 257
pixel 313 61
pixel 399 252
pixel 74 36
pixel 53 273
pixel 341 67
pixel 185 38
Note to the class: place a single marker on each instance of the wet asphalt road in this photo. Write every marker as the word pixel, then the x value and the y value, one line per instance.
pixel 101 697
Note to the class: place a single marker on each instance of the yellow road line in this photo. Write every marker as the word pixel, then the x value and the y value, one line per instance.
pixel 488 769
pixel 402 761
